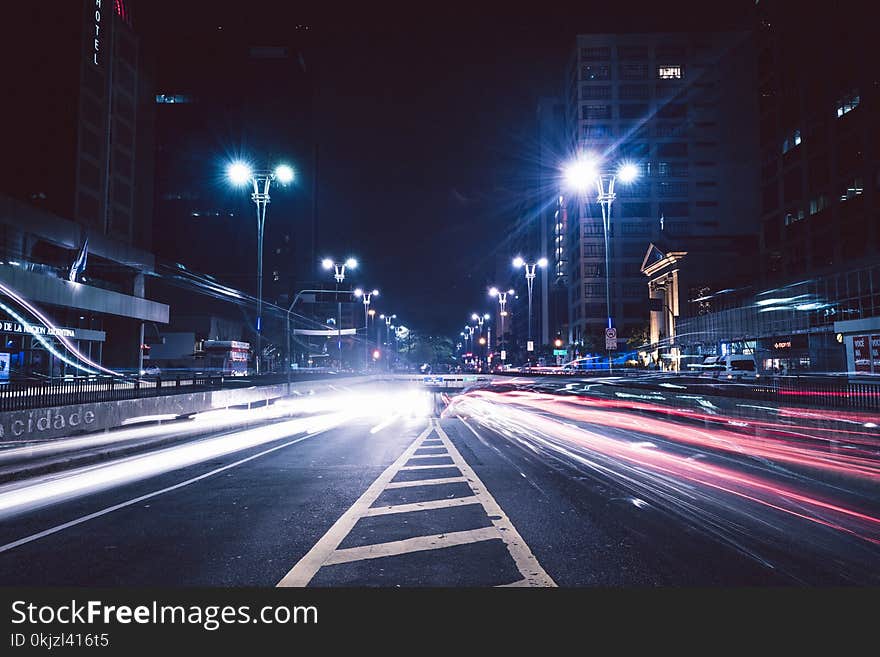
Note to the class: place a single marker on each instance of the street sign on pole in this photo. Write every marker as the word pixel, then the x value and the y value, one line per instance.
pixel 611 338
pixel 530 345
pixel 503 354
pixel 559 352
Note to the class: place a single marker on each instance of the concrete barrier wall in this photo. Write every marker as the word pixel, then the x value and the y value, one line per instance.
pixel 60 421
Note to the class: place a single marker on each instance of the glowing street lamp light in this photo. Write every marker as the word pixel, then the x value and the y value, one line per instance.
pixel 580 175
pixel 339 268
pixel 241 173
pixel 518 262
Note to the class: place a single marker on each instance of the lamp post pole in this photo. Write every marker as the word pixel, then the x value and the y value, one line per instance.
pixel 261 180
pixel 583 173
pixel 530 282
pixel 388 323
pixel 479 319
pixel 339 276
pixel 367 298
pixel 502 301
pixel 605 197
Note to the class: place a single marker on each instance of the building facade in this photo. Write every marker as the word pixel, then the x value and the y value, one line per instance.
pixel 668 104
pixel 816 306
pixel 77 181
pixel 819 140
pixel 550 198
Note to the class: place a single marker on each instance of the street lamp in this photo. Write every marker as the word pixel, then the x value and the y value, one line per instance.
pixel 502 301
pixel 240 173
pixel 468 335
pixel 518 262
pixel 580 175
pixel 480 319
pixel 367 298
pixel 389 323
pixel 339 275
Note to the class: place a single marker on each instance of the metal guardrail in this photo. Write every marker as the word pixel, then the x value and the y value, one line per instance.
pixel 27 395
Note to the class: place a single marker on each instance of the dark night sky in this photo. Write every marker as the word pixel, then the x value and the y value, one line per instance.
pixel 426 128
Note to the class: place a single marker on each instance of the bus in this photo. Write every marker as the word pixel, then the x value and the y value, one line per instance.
pixel 227 357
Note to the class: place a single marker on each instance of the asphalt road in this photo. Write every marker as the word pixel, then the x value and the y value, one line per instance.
pixel 508 486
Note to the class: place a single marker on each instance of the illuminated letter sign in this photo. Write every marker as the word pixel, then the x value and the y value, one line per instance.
pixel 97 40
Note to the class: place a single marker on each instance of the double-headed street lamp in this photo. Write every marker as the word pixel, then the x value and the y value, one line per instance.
pixel 367 298
pixel 502 301
pixel 483 340
pixel 339 275
pixel 581 175
pixel 518 262
pixel 241 173
pixel 468 334
pixel 389 324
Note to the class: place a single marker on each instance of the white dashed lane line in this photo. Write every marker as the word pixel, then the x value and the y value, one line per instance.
pixel 326 551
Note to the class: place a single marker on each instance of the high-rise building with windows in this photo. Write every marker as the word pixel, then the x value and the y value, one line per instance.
pixel 79 105
pixel 550 199
pixel 818 305
pixel 668 103
pixel 77 187
pixel 818 89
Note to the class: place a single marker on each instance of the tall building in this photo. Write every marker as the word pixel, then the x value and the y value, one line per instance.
pixel 550 199
pixel 80 104
pixel 667 103
pixel 76 177
pixel 818 305
pixel 819 140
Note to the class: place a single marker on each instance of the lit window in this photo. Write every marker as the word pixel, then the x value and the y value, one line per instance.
pixel 792 140
pixel 818 204
pixel 794 217
pixel 164 99
pixel 848 103
pixel 855 188
pixel 669 72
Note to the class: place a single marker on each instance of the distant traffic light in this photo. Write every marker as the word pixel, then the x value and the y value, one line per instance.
pixel 557 343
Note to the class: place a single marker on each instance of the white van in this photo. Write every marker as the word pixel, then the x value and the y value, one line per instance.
pixel 731 366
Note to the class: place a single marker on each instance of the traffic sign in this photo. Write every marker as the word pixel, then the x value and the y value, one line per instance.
pixel 611 338
pixel 559 352
pixel 503 354
pixel 530 345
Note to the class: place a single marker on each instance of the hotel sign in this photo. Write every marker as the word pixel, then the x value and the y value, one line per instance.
pixel 96 42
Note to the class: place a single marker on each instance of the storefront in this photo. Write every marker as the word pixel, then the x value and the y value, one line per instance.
pixel 787 354
pixel 36 350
